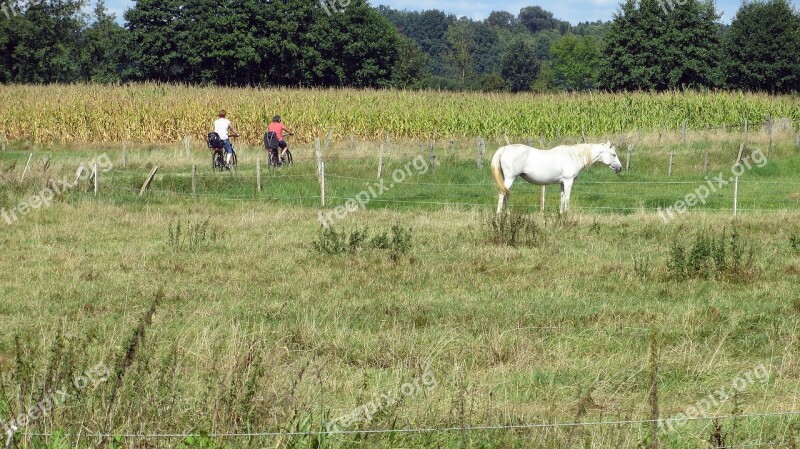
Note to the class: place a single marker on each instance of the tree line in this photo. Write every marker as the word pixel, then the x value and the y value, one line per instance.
pixel 648 45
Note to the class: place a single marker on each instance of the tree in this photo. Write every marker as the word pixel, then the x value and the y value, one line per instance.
pixel 153 49
pixel 487 48
pixel 103 47
pixel 575 62
pixel 460 37
pixel 411 67
pixel 501 19
pixel 596 29
pixel 519 66
pixel 428 29
pixel 763 47
pixel 648 47
pixel 536 19
pixel 288 42
pixel 544 44
pixel 42 43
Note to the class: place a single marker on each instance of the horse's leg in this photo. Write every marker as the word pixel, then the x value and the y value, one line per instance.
pixel 508 182
pixel 566 188
pixel 502 200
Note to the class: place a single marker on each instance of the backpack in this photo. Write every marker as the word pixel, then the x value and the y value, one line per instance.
pixel 214 141
pixel 270 140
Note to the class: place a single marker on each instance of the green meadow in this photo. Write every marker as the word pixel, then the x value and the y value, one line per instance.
pixel 231 318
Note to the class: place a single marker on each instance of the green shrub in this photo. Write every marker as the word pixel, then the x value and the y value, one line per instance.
pixel 396 241
pixel 190 234
pixel 725 256
pixel 513 230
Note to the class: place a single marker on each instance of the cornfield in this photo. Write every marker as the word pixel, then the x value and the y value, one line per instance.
pixel 153 113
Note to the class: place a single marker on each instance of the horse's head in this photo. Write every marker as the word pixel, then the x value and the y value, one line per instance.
pixel 608 155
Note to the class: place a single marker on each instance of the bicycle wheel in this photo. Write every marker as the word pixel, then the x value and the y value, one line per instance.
pixel 288 158
pixel 216 161
pixel 234 161
pixel 272 158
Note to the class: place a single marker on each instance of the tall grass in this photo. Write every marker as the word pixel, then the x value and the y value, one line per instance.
pixel 161 113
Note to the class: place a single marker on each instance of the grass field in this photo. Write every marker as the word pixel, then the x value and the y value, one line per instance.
pixel 216 314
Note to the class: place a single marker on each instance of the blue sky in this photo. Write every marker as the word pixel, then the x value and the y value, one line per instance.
pixel 573 11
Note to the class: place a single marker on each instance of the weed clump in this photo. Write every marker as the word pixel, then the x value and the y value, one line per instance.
pixel 396 242
pixel 191 234
pixel 723 256
pixel 513 230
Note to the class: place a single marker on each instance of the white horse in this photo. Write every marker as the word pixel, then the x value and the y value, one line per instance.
pixel 561 165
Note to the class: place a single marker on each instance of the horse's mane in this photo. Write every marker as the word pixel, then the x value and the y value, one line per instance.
pixel 581 152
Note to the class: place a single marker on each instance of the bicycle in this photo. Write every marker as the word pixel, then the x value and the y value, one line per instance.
pixel 218 154
pixel 272 147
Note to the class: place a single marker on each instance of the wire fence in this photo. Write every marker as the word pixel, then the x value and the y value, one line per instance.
pixel 658 176
pixel 418 430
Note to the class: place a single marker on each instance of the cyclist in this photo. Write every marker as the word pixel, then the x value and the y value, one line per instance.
pixel 225 129
pixel 278 128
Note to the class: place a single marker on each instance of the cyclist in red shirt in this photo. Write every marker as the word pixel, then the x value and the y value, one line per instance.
pixel 277 127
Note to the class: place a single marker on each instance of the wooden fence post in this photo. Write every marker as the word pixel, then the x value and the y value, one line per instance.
pixel 628 159
pixel 683 132
pixel 3 141
pixel 187 147
pixel 583 135
pixel 529 141
pixel 431 156
pixel 739 155
pixel 735 194
pixel 705 144
pixel 94 175
pixel 671 156
pixel 26 167
pixel 380 162
pixel 653 359
pixel 194 180
pixel 768 125
pixel 124 154
pixel 480 150
pixel 508 142
pixel 258 174
pixel 352 143
pixel 320 172
pixel 148 180
pixel 745 128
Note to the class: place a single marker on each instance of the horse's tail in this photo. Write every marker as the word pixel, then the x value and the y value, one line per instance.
pixel 497 171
